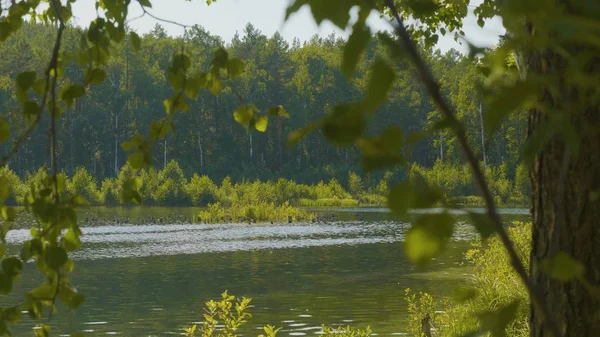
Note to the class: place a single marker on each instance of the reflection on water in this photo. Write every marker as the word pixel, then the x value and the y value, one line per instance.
pixel 153 279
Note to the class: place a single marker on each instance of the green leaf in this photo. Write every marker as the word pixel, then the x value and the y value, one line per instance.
pixel 382 151
pixel 25 80
pixel 159 129
pixel 12 267
pixel 145 3
pixel 70 92
pixel 357 43
pixel 278 111
pixel 243 114
pixel 483 223
pixel 42 331
pixel 194 84
pixel 8 213
pixel 6 284
pixel 5 189
pixel 336 11
pixel 12 315
pixel 177 102
pixel 496 321
pixel 261 123
pixel 94 76
pixel 462 295
pixel 215 86
pixel 71 241
pixel 401 198
pixel 70 297
pixel 39 86
pixel 235 67
pixel 345 125
pixel 563 267
pixel 295 136
pixel 221 58
pixel 56 257
pixel 428 237
pixel 136 42
pixel 4 130
pixel 508 99
pixel 138 160
pixel 382 78
pixel 45 291
pixel 31 112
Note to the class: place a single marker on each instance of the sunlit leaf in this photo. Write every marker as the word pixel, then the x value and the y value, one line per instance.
pixel 261 123
pixel 428 237
pixel 243 114
pixel 295 136
pixel 235 67
pixel 70 92
pixel 278 111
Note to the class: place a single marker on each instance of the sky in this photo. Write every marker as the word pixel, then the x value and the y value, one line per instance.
pixel 226 17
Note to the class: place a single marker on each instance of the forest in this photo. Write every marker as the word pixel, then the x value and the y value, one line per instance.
pixel 303 77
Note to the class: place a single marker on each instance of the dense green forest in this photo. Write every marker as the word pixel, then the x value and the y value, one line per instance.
pixel 304 77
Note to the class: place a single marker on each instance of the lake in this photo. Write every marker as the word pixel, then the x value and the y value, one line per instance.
pixel 152 279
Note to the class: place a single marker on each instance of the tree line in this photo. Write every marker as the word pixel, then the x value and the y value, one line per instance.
pixel 303 77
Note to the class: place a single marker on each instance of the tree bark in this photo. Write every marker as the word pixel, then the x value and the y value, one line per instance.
pixel 566 216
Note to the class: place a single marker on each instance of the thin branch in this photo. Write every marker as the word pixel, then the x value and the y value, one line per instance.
pixel 51 65
pixel 159 19
pixel 448 113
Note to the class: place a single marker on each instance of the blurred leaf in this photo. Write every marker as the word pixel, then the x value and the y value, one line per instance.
pixel 401 198
pixel 382 151
pixel 428 237
pixel 244 114
pixel 25 80
pixel 295 136
pixel 278 111
pixel 507 100
pixel 461 295
pixel 136 42
pixel 496 321
pixel 336 11
pixel 6 284
pixel 221 58
pixel 235 67
pixel 4 130
pixel 94 76
pixel 261 123
pixel 563 267
pixel 381 80
pixel 5 189
pixel 344 125
pixel 70 92
pixel 8 213
pixel 12 314
pixel 357 43
pixel 12 267
pixel 56 257
pixel 483 223
pixel 31 112
pixel 138 160
pixel 71 241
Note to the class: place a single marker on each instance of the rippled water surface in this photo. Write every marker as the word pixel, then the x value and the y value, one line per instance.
pixel 151 280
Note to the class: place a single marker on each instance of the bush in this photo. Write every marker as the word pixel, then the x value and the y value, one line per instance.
pixel 494 284
pixel 225 317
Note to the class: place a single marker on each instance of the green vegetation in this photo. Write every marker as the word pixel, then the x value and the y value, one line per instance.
pixel 171 187
pixel 233 313
pixel 494 286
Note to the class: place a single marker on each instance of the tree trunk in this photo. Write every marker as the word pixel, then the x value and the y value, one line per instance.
pixel 566 216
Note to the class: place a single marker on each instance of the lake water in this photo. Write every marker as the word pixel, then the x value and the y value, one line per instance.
pixel 152 280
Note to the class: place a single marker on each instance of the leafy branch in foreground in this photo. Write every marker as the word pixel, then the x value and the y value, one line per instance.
pixel 478 175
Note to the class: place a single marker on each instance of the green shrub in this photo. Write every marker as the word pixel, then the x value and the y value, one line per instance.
pixel 494 284
pixel 225 317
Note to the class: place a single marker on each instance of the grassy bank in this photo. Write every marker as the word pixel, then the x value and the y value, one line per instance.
pixel 493 285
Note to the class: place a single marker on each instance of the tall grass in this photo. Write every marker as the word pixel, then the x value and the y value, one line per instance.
pixel 494 284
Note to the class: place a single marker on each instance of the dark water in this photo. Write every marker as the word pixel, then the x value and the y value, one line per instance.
pixel 152 280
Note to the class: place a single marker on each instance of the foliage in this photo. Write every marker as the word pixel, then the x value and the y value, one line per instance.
pixel 494 284
pixel 224 318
